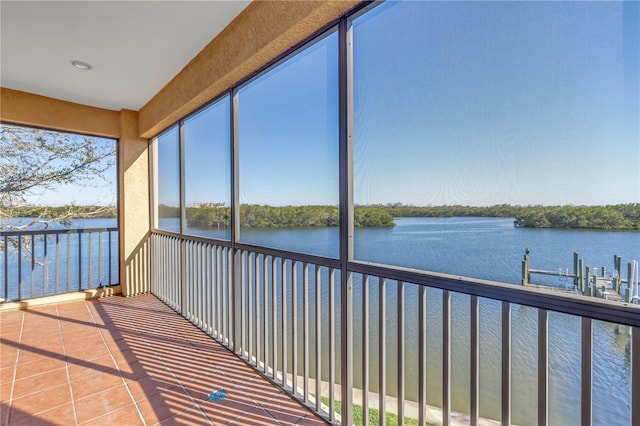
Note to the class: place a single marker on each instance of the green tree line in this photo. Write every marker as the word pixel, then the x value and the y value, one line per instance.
pixel 401 210
pixel 612 217
pixel 261 216
pixel 66 212
pixel 609 217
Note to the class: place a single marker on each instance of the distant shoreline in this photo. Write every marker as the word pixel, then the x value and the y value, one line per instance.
pixel 66 212
pixel 618 217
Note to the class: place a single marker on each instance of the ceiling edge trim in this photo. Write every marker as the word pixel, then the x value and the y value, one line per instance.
pixel 29 109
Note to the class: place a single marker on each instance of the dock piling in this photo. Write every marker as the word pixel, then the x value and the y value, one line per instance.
pixel 576 256
pixel 617 263
pixel 581 272
pixel 629 281
pixel 525 269
pixel 587 280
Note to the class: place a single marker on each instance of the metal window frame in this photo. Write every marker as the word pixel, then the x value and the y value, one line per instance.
pixel 588 309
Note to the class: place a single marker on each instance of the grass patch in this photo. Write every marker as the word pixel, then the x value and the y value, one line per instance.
pixel 374 415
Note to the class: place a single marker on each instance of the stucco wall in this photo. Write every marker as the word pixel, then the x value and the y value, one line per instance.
pixel 40 111
pixel 133 163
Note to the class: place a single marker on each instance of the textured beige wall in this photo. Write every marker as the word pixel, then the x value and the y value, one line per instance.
pixel 133 162
pixel 261 33
pixel 39 111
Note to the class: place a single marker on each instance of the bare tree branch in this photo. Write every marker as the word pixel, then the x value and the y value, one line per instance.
pixel 33 161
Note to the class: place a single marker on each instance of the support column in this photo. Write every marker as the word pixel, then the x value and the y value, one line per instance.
pixel 133 213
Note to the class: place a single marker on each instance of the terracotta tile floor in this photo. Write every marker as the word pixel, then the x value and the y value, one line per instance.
pixel 127 361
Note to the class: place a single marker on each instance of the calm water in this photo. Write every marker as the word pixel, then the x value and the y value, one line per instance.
pixel 487 248
pixel 491 249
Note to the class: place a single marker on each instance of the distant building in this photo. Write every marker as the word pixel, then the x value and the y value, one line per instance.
pixel 208 205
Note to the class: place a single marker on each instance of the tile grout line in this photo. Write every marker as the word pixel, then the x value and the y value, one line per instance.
pixel 66 367
pixel 15 370
pixel 259 376
pixel 241 385
pixel 262 406
pixel 164 364
pixel 135 404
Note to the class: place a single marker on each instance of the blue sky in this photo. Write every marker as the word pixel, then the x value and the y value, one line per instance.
pixel 475 103
pixel 207 154
pixel 497 102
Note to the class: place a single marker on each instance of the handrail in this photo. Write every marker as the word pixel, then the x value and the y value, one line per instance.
pixel 194 238
pixel 56 231
pixel 567 303
pixel 269 251
pixel 291 255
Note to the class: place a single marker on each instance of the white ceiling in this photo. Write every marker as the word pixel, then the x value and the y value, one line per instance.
pixel 135 47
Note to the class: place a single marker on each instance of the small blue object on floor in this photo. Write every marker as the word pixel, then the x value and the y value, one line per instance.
pixel 218 395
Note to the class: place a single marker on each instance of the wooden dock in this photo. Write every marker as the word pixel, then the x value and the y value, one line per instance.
pixel 605 290
pixel 604 287
pixel 586 280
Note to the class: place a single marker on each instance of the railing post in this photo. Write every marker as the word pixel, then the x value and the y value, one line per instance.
pixel 151 277
pixel 285 333
pixel 474 369
pixel 365 350
pixel 20 267
pixel 506 363
pixel 635 375
pixel 100 263
pixel 45 267
pixel 33 266
pixel 57 263
pixel 543 367
pixel 80 260
pixel 68 262
pixel 294 327
pixel 6 268
pixel 236 282
pixel 401 360
pixel 382 348
pixel 274 317
pixel 586 371
pixel 446 357
pixel 90 258
pixel 332 346
pixel 305 331
pixel 183 277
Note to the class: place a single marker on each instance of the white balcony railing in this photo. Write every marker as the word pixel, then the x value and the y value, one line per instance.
pixel 281 312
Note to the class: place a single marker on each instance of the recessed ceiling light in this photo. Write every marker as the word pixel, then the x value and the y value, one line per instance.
pixel 81 65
